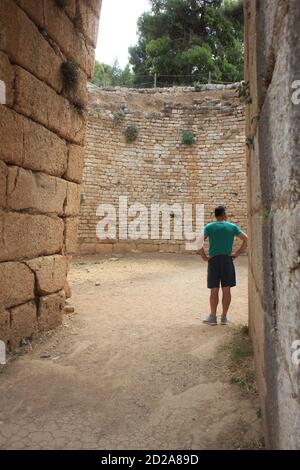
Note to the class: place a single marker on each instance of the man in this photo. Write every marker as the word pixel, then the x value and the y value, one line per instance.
pixel 221 268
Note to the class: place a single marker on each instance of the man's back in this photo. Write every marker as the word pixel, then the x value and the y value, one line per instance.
pixel 221 236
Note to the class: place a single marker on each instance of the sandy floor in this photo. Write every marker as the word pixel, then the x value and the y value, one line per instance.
pixel 133 368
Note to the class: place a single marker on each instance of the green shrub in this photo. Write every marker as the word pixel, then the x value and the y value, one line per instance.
pixel 119 116
pixel 69 71
pixel 131 133
pixel 188 138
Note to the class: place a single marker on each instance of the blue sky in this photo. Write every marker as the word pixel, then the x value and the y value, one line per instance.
pixel 117 31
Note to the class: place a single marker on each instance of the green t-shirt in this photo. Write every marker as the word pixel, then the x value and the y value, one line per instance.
pixel 221 236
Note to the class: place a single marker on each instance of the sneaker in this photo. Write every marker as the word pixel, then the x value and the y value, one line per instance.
pixel 224 320
pixel 210 320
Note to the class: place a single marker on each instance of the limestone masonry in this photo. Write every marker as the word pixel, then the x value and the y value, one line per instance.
pixel 42 132
pixel 157 167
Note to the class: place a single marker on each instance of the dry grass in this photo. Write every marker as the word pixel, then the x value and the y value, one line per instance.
pixel 241 361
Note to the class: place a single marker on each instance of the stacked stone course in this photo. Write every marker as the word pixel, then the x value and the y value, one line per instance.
pixel 157 167
pixel 42 135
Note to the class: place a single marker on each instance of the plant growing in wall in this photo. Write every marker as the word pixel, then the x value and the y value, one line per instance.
pixel 69 71
pixel 119 116
pixel 131 133
pixel 243 92
pixel 250 142
pixel 188 138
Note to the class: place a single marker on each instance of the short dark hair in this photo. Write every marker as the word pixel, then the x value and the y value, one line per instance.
pixel 219 211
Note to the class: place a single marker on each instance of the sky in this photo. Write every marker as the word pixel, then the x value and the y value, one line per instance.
pixel 118 27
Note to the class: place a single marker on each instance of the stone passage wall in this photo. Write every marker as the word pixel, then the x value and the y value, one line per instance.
pixel 157 168
pixel 273 122
pixel 42 132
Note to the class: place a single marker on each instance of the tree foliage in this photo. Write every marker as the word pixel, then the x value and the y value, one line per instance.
pixel 183 41
pixel 112 75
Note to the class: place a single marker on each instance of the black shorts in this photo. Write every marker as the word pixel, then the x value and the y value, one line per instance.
pixel 221 270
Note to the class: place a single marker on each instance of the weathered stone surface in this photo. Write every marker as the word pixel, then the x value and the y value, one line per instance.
pixel 41 103
pixel 23 323
pixel 27 190
pixel 67 290
pixel 4 324
pixel 26 143
pixel 50 311
pixel 72 206
pixel 63 31
pixel 96 6
pixel 50 273
pixel 71 231
pixel 29 236
pixel 27 47
pixel 3 177
pixel 11 136
pixel 104 248
pixel 89 22
pixel 43 150
pixel 34 9
pixel 75 164
pixel 17 284
pixel 7 75
pixel 272 64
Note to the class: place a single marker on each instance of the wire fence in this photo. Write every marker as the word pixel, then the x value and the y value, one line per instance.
pixel 167 81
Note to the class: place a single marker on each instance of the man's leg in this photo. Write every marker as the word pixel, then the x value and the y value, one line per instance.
pixel 226 300
pixel 214 300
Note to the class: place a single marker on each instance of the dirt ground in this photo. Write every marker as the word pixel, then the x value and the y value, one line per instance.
pixel 133 368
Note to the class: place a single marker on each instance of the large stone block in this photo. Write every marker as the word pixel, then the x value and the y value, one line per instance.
pixel 28 144
pixel 89 21
pixel 3 177
pixel 41 103
pixel 72 206
pixel 29 236
pixel 34 9
pixel 50 273
pixel 11 136
pixel 4 324
pixel 63 31
pixel 50 311
pixel 75 164
pixel 17 284
pixel 71 231
pixel 43 150
pixel 27 190
pixel 27 47
pixel 23 323
pixel 7 75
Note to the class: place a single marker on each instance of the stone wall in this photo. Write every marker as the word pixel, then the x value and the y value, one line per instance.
pixel 157 167
pixel 42 132
pixel 273 122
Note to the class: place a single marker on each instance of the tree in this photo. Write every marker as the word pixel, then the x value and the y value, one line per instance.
pixel 112 75
pixel 184 41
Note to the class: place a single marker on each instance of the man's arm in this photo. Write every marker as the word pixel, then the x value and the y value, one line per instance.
pixel 202 253
pixel 242 236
